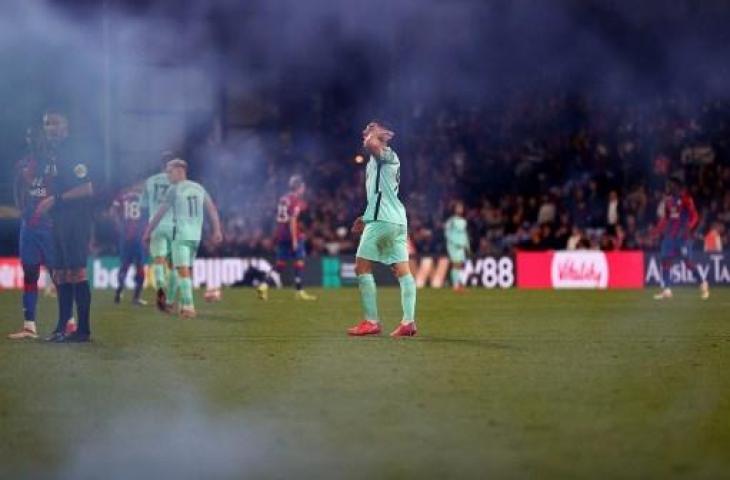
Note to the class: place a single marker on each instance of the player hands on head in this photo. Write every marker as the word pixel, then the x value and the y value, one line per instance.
pixel 289 238
pixel 383 229
pixel 679 219
pixel 186 199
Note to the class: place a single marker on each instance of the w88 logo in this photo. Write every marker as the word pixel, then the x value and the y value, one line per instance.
pixel 490 272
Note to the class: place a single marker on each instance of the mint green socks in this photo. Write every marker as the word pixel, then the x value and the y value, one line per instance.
pixel 158 270
pixel 186 291
pixel 172 286
pixel 455 277
pixel 368 296
pixel 408 297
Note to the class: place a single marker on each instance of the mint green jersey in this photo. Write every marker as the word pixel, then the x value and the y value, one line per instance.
pixel 187 201
pixel 455 231
pixel 382 180
pixel 153 195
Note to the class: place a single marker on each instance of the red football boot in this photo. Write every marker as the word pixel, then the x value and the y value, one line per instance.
pixel 405 330
pixel 364 328
pixel 70 327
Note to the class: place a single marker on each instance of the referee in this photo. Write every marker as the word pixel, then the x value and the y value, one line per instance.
pixel 70 210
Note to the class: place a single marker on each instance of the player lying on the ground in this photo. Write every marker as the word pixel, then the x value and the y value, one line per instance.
pixel 457 244
pixel 383 227
pixel 678 222
pixel 127 213
pixel 186 199
pixel 289 238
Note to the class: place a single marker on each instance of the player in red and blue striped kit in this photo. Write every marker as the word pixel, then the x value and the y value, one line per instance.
pixel 289 237
pixel 131 224
pixel 679 219
pixel 32 184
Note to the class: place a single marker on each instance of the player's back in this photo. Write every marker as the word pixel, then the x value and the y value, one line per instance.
pixel 382 185
pixel 155 192
pixel 456 229
pixel 289 206
pixel 129 205
pixel 679 212
pixel 187 200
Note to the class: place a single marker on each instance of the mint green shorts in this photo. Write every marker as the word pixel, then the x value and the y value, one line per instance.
pixel 457 254
pixel 161 242
pixel 184 252
pixel 384 242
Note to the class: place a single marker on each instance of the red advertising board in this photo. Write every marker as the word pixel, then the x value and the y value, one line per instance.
pixel 580 269
pixel 11 274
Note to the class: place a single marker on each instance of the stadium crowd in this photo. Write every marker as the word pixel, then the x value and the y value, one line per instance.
pixel 561 172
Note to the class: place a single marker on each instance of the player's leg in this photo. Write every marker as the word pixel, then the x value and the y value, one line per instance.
pixel 173 279
pixel 688 259
pixel 31 274
pixel 30 260
pixel 667 254
pixel 124 264
pixel 401 268
pixel 64 284
pixel 78 255
pixel 182 259
pixel 299 256
pixel 456 257
pixel 367 252
pixel 282 255
pixel 138 260
pixel 159 251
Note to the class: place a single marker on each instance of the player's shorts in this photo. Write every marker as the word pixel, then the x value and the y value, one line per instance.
pixel 457 254
pixel 71 243
pixel 36 246
pixel 161 242
pixel 184 252
pixel 672 247
pixel 131 251
pixel 383 242
pixel 285 252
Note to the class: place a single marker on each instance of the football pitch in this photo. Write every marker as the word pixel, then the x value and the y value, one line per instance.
pixel 498 384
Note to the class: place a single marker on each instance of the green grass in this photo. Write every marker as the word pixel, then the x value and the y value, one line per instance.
pixel 516 384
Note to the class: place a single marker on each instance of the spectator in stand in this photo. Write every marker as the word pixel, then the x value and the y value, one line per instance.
pixel 713 238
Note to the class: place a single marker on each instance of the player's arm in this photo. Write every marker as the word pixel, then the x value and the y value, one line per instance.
pixel 144 202
pixel 358 226
pixel 294 227
pixel 83 190
pixel 164 207
pixel 662 224
pixel 694 217
pixel 116 213
pixel 18 197
pixel 214 219
pixel 467 241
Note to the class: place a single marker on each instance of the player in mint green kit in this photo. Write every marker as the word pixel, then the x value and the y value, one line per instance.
pixel 384 235
pixel 457 244
pixel 154 192
pixel 186 199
